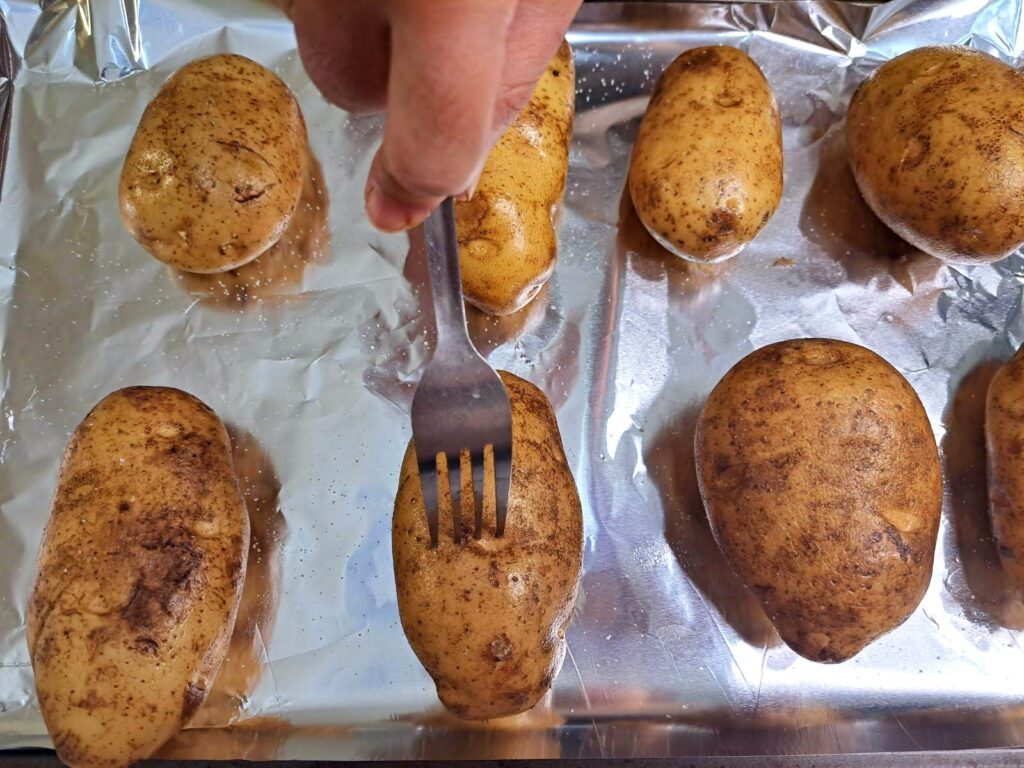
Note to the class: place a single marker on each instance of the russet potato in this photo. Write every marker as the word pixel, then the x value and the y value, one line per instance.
pixel 1004 443
pixel 506 230
pixel 821 480
pixel 487 616
pixel 138 577
pixel 215 170
pixel 706 170
pixel 936 148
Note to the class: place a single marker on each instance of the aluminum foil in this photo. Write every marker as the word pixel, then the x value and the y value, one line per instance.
pixel 311 355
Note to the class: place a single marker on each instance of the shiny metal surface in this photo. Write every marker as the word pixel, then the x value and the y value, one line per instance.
pixel 312 355
pixel 460 405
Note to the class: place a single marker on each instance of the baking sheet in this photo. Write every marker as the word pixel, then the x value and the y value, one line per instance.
pixel 311 356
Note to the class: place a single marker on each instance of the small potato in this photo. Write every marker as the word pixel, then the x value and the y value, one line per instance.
pixel 138 578
pixel 822 484
pixel 936 146
pixel 506 230
pixel 1004 442
pixel 706 171
pixel 215 170
pixel 487 616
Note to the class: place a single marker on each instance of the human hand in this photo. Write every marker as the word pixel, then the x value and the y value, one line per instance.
pixel 451 74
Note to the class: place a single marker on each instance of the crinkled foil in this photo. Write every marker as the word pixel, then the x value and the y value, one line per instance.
pixel 311 354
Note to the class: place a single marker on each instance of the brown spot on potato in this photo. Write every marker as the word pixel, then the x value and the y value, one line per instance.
pixel 500 648
pixel 193 698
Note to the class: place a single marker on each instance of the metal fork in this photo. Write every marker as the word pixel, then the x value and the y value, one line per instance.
pixel 460 404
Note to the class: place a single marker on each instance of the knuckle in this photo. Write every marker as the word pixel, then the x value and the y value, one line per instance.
pixel 513 98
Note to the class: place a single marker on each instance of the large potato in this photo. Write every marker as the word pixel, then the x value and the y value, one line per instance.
pixel 1004 443
pixel 216 167
pixel 936 146
pixel 139 576
pixel 506 230
pixel 821 480
pixel 706 171
pixel 487 616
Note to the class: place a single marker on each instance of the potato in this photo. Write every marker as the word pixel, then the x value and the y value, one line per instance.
pixel 819 472
pixel 935 145
pixel 706 171
pixel 487 616
pixel 215 170
pixel 138 577
pixel 1004 445
pixel 506 230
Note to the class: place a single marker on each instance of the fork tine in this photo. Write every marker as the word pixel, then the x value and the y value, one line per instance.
pixel 479 462
pixel 446 510
pixel 428 487
pixel 455 488
pixel 502 480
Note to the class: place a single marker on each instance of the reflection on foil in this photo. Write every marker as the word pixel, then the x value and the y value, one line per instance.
pixel 8 69
pixel 489 332
pixel 668 655
pixel 98 37
pixel 279 272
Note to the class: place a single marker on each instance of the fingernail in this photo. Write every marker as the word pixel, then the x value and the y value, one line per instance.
pixel 386 214
pixel 470 191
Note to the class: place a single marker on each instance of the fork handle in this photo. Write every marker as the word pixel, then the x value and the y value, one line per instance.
pixel 445 278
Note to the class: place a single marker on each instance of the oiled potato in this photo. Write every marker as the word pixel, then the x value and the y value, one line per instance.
pixel 706 171
pixel 1004 443
pixel 821 480
pixel 138 577
pixel 935 146
pixel 216 167
pixel 506 230
pixel 487 616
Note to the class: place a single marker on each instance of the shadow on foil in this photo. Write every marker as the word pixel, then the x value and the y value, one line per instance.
pixel 670 456
pixel 836 218
pixel 247 652
pixel 976 578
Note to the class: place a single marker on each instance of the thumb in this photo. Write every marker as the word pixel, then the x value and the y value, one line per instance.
pixel 446 68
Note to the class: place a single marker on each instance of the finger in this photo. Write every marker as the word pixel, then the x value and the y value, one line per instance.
pixel 345 48
pixel 446 65
pixel 534 36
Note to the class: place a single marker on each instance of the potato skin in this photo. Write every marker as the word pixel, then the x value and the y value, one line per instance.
pixel 1004 445
pixel 822 484
pixel 506 230
pixel 706 170
pixel 487 617
pixel 935 146
pixel 214 172
pixel 138 576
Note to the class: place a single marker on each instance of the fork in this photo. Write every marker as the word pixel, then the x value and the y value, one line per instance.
pixel 460 404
